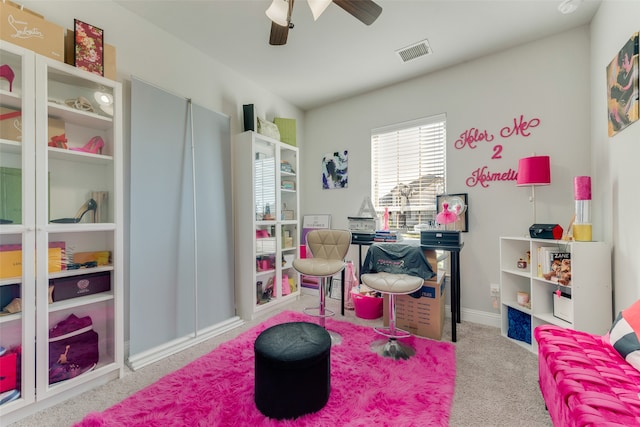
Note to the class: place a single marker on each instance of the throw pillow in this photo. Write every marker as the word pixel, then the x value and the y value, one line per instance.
pixel 624 333
pixel 268 129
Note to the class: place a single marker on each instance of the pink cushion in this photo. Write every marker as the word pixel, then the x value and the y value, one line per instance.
pixel 584 381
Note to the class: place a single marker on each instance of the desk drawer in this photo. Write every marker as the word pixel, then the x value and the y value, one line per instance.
pixel 440 238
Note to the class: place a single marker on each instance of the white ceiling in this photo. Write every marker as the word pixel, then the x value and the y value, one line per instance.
pixel 337 56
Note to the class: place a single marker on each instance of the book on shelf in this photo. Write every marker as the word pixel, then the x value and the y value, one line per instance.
pixel 559 267
pixel 544 260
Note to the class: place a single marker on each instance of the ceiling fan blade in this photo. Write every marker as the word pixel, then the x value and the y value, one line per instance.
pixel 278 36
pixel 279 33
pixel 366 11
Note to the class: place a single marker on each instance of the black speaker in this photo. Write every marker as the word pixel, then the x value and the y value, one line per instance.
pixel 249 113
pixel 545 231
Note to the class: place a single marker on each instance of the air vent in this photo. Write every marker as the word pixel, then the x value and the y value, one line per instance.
pixel 414 51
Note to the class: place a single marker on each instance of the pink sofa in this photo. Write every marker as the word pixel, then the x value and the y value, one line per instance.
pixel 584 381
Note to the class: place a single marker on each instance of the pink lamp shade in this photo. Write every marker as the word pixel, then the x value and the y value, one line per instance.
pixel 582 187
pixel 534 170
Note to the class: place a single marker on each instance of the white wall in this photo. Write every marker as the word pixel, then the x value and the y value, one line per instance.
pixel 615 159
pixel 547 79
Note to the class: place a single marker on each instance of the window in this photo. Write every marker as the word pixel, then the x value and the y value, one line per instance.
pixel 408 170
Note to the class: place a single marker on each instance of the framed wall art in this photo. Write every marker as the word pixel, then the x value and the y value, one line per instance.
pixel 89 47
pixel 454 204
pixel 335 170
pixel 622 87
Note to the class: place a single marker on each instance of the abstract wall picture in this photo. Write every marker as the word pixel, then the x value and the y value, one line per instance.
pixel 89 47
pixel 334 170
pixel 622 87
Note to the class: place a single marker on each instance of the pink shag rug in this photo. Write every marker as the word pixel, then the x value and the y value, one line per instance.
pixel 366 389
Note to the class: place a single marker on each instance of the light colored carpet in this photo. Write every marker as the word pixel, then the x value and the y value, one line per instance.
pixel 496 380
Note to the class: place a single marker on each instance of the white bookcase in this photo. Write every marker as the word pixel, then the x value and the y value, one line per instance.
pixel 51 183
pixel 266 223
pixel 590 307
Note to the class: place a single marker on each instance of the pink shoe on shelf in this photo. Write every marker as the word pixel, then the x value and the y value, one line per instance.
pixel 7 73
pixel 94 146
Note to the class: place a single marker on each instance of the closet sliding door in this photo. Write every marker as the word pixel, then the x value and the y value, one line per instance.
pixel 181 240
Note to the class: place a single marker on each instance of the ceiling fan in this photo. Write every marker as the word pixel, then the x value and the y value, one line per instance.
pixel 366 11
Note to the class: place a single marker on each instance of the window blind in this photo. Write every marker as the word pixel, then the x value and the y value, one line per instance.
pixel 408 167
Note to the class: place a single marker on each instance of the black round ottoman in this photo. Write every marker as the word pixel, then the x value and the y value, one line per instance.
pixel 292 369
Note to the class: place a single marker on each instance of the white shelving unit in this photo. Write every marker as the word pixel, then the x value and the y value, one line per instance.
pixel 590 305
pixel 51 183
pixel 266 223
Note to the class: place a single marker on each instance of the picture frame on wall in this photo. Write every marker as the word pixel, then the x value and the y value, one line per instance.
pixel 462 223
pixel 622 87
pixel 88 47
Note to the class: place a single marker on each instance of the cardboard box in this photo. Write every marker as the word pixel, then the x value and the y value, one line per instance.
pixel 432 258
pixel 100 257
pixel 11 259
pixel 109 60
pixel 25 28
pixel 422 316
pixel 55 128
pixel 10 124
pixel 78 286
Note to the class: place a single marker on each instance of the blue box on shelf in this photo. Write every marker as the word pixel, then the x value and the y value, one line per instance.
pixel 519 325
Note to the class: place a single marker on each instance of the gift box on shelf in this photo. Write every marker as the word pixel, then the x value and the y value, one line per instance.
pixel 78 286
pixel 8 371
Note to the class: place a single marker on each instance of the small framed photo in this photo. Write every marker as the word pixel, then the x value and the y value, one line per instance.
pixel 89 47
pixel 462 222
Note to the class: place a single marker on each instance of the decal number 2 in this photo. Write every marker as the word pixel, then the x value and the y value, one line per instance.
pixel 497 152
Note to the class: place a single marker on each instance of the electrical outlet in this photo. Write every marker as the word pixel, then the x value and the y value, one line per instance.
pixel 494 290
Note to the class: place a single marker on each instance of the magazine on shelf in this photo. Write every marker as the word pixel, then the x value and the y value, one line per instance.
pixel 559 268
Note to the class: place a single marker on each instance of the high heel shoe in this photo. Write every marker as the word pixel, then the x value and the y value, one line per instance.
pixel 94 146
pixel 90 205
pixel 58 141
pixel 7 73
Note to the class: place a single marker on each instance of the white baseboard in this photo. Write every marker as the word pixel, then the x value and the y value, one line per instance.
pixel 477 316
pixel 152 355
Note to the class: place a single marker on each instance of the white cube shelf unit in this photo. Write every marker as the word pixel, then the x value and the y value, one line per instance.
pixel 590 307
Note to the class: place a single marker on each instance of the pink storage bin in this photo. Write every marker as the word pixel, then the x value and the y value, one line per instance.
pixel 366 307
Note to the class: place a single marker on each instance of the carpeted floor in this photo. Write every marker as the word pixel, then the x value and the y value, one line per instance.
pixel 496 380
pixel 218 388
